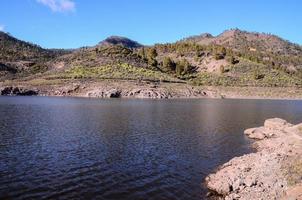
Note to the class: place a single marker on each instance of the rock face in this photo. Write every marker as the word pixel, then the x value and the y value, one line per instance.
pixel 110 89
pixel 16 91
pixel 132 93
pixel 118 40
pixel 103 93
pixel 271 173
pixel 147 93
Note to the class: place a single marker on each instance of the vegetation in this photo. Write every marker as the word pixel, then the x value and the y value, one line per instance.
pixel 233 59
pixel 293 171
pixel 248 74
pixel 12 49
pixel 121 71
pixel 151 57
pixel 183 67
pixel 168 64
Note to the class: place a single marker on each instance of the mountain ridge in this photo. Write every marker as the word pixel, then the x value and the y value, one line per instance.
pixel 230 36
pixel 234 57
pixel 120 40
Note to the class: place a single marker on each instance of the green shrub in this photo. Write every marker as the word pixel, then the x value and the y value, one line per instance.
pixel 168 64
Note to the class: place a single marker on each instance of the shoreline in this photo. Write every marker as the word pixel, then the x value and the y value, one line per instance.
pixel 146 90
pixel 173 98
pixel 274 171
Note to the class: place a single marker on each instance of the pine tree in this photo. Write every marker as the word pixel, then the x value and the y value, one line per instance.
pixel 168 64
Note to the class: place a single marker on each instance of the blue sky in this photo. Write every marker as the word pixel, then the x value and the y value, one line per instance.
pixel 76 23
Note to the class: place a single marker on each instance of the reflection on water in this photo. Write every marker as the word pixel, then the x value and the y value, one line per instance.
pixel 72 148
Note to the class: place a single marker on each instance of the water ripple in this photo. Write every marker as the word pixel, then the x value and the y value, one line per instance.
pixel 67 148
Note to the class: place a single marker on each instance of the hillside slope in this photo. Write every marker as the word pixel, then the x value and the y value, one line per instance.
pixel 122 41
pixel 233 58
pixel 18 58
pixel 242 41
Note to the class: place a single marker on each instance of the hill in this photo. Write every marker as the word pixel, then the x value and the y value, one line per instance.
pixel 233 58
pixel 249 41
pixel 122 41
pixel 17 56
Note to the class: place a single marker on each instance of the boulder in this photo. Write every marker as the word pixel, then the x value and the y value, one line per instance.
pixel 255 133
pixel 267 173
pixel 104 93
pixel 16 91
pixel 276 124
pixel 113 93
pixel 220 187
pixel 147 93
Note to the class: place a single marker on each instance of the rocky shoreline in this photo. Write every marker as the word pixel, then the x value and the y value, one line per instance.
pixel 150 90
pixel 273 172
pixel 111 90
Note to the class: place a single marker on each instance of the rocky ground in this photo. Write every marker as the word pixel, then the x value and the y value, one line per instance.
pixel 111 89
pixel 142 89
pixel 273 172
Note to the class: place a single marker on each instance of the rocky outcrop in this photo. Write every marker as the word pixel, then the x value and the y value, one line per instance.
pixel 132 93
pixel 271 173
pixel 110 89
pixel 147 93
pixel 17 91
pixel 67 90
pixel 268 130
pixel 105 93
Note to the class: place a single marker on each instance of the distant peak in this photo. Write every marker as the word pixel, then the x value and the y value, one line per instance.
pixel 119 40
pixel 231 32
pixel 2 33
pixel 206 35
pixel 202 36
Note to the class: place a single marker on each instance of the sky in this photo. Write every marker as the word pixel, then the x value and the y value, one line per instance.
pixel 77 23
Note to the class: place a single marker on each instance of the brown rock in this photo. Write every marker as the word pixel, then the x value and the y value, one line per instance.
pixel 267 174
pixel 275 124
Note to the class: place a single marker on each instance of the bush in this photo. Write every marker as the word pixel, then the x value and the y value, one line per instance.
pixel 220 53
pixel 152 54
pixel 183 67
pixel 168 64
pixel 219 56
pixel 257 75
pixel 221 69
pixel 232 60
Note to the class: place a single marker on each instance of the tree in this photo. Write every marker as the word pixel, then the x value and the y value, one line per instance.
pixel 257 75
pixel 221 69
pixel 223 51
pixel 153 62
pixel 183 67
pixel 152 53
pixel 168 64
pixel 220 52
pixel 142 53
pixel 151 56
pixel 232 60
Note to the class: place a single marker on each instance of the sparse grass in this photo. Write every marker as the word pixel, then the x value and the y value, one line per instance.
pixel 293 172
pixel 34 82
pixel 44 82
pixel 249 74
pixel 119 71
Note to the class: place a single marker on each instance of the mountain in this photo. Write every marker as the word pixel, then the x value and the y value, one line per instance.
pixel 24 57
pixel 123 41
pixel 100 55
pixel 249 41
pixel 12 49
pixel 233 58
pixel 111 51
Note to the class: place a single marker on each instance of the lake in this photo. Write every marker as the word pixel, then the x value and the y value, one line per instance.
pixel 77 148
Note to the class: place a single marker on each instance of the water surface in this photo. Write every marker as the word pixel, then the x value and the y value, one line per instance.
pixel 73 148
